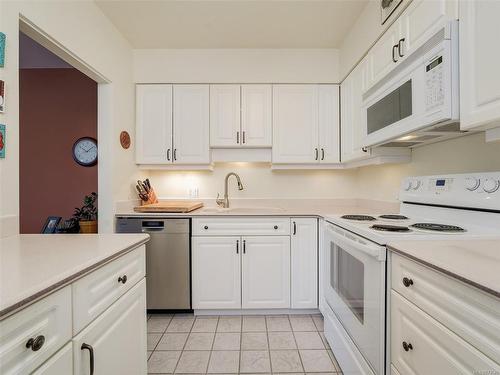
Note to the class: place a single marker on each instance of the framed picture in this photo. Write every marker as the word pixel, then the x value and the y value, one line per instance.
pixel 2 96
pixel 2 141
pixel 2 49
pixel 51 224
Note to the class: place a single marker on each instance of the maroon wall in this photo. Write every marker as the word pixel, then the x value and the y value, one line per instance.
pixel 56 107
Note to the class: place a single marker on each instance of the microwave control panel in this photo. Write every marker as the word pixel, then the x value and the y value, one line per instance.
pixel 434 90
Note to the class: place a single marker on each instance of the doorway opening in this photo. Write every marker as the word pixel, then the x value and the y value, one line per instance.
pixel 58 125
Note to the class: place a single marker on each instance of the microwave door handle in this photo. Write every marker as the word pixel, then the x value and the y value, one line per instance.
pixel 373 251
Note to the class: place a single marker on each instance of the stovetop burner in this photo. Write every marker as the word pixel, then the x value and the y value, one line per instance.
pixel 393 217
pixel 390 228
pixel 438 227
pixel 358 217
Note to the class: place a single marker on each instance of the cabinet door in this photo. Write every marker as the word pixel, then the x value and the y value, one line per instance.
pixel 419 22
pixel 434 349
pixel 117 336
pixel 216 272
pixel 380 57
pixel 266 272
pixel 153 124
pixel 329 132
pixel 295 124
pixel 304 263
pixel 256 115
pixel 191 124
pixel 59 364
pixel 479 62
pixel 225 116
pixel 350 121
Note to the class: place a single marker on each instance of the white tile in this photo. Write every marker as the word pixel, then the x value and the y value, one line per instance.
pixel 316 361
pixel 256 361
pixel 227 341
pixel 163 362
pixel 205 325
pixel 325 341
pixel 308 340
pixel 224 362
pixel 199 341
pixel 193 362
pixel 318 322
pixel 172 341
pixel 180 325
pixel 278 324
pixel 254 341
pixel 229 324
pixel 281 340
pixel 334 360
pixel 254 324
pixel 158 323
pixel 302 323
pixel 153 339
pixel 285 361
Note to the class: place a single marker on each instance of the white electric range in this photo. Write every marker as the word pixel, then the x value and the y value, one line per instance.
pixel 353 257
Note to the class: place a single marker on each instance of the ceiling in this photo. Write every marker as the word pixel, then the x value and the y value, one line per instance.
pixel 233 23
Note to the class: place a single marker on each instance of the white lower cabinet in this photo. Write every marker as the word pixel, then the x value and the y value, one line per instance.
pixel 216 275
pixel 60 363
pixel 304 263
pixel 115 342
pixel 265 272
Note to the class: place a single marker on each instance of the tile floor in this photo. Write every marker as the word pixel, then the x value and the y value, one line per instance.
pixel 185 344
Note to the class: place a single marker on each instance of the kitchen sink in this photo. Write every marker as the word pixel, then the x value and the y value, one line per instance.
pixel 243 210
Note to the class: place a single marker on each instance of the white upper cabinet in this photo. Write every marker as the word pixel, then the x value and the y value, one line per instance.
pixel 225 116
pixel 240 116
pixel 153 123
pixel 305 124
pixel 191 124
pixel 265 272
pixel 479 63
pixel 256 115
pixel 420 21
pixel 328 120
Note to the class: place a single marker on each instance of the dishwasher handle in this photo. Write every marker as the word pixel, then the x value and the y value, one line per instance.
pixel 153 226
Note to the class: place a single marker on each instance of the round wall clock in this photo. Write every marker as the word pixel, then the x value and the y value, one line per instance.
pixel 85 151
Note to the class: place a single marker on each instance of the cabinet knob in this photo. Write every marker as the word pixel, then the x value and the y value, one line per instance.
pixel 275 227
pixel 205 227
pixel 122 279
pixel 407 282
pixel 36 343
pixel 407 346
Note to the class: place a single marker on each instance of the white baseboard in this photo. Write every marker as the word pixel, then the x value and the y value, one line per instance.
pixel 257 312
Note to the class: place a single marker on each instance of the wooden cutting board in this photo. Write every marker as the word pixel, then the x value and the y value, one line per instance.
pixel 170 206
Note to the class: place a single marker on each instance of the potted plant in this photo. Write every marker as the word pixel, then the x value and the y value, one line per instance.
pixel 87 214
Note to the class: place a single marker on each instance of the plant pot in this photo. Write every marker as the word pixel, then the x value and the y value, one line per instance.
pixel 88 226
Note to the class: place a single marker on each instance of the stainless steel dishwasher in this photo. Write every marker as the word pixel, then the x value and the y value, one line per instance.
pixel 168 276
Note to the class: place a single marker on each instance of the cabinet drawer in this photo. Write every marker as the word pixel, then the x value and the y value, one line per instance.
pixel 95 292
pixel 468 312
pixel 59 364
pixel 50 318
pixel 241 226
pixel 430 347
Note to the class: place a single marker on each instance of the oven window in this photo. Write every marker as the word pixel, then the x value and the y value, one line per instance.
pixel 390 109
pixel 347 278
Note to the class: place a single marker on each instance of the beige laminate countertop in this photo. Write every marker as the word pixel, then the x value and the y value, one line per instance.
pixel 475 262
pixel 34 265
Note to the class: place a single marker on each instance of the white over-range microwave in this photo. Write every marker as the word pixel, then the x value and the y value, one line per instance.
pixel 418 102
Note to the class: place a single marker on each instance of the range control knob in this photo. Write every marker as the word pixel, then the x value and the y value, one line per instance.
pixel 491 185
pixel 408 185
pixel 417 184
pixel 472 183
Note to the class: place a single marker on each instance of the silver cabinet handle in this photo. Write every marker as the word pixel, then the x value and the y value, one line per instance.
pixel 91 354
pixel 294 228
pixel 168 154
pixel 244 246
pixel 237 246
pixel 243 136
pixel 317 154
pixel 36 343
pixel 400 47
pixel 393 48
pixel 322 154
pixel 175 154
pixel 238 137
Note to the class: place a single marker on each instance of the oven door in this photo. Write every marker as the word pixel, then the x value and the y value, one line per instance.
pixel 354 288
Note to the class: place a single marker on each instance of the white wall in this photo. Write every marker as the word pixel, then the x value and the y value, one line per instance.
pixel 236 66
pixel 461 155
pixel 84 32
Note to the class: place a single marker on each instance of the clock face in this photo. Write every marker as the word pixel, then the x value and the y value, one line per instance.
pixel 85 151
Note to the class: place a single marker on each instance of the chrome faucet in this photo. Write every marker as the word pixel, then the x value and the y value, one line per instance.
pixel 224 202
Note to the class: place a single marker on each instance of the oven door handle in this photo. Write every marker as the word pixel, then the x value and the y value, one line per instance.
pixel 373 250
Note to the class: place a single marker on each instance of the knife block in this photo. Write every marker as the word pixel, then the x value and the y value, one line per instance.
pixel 152 198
